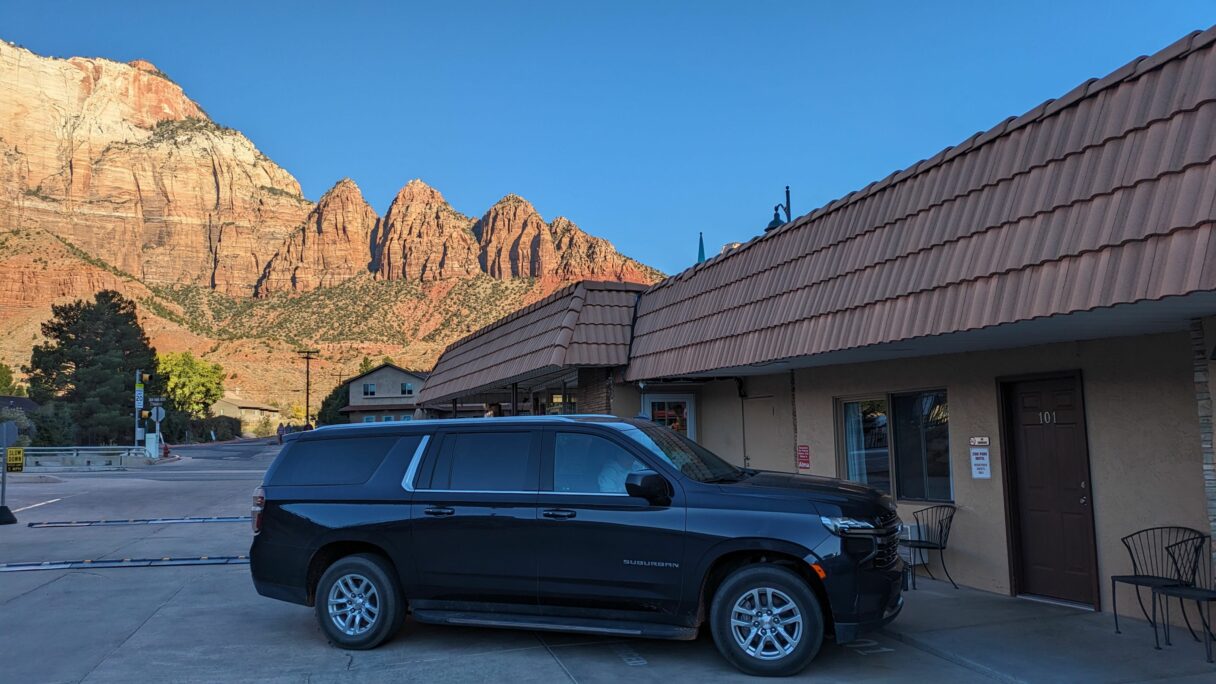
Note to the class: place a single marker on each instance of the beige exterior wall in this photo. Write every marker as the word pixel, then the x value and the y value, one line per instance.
pixel 388 388
pixel 760 427
pixel 1142 428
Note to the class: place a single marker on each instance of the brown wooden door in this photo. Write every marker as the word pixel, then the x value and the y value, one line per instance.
pixel 1052 503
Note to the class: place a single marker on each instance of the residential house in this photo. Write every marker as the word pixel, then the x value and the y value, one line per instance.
pixel 382 394
pixel 250 413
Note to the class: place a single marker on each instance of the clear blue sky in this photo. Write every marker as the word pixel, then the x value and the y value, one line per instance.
pixel 644 122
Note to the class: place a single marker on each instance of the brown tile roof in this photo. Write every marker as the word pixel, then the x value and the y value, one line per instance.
pixel 584 324
pixel 1104 196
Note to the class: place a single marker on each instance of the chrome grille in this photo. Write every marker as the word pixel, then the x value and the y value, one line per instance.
pixel 887 540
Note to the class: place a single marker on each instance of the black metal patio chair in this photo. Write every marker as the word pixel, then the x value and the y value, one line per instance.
pixel 1152 566
pixel 934 524
pixel 1193 560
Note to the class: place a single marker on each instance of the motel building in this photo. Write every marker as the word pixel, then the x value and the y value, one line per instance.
pixel 1022 326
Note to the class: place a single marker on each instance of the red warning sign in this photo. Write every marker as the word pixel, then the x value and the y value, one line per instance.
pixel 804 457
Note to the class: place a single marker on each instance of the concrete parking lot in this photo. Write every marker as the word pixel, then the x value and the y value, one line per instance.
pixel 206 623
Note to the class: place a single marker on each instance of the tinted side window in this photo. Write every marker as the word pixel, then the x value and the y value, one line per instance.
pixel 335 461
pixel 590 464
pixel 486 461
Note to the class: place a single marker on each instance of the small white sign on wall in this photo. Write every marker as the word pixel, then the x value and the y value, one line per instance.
pixel 981 465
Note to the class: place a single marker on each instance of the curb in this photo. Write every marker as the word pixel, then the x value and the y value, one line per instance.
pixel 921 645
pixel 32 478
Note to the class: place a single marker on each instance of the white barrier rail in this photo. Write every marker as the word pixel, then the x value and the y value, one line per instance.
pixel 85 456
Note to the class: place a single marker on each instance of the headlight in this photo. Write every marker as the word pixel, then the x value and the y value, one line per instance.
pixel 843 525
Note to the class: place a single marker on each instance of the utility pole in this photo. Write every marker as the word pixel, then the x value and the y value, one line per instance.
pixel 308 355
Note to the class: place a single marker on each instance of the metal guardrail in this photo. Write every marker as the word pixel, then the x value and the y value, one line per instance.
pixel 85 456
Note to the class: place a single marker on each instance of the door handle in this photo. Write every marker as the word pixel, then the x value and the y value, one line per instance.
pixel 440 511
pixel 558 513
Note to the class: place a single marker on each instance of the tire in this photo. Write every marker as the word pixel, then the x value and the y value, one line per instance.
pixel 368 600
pixel 776 594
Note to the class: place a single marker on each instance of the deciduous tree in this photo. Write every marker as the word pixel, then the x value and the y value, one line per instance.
pixel 8 383
pixel 191 384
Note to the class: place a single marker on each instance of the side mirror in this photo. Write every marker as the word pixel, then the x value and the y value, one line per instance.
pixel 649 485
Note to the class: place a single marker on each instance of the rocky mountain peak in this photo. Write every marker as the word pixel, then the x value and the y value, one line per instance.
pixel 424 239
pixel 418 191
pixel 144 65
pixel 333 244
pixel 343 190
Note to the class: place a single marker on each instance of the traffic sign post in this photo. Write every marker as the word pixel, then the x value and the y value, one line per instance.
pixel 157 415
pixel 8 437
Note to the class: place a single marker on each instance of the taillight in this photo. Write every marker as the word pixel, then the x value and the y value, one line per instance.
pixel 255 512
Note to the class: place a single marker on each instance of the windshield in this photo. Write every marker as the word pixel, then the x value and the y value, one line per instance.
pixel 685 455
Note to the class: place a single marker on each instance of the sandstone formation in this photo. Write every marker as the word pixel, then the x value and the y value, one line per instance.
pixel 117 160
pixel 333 245
pixel 515 241
pixel 425 239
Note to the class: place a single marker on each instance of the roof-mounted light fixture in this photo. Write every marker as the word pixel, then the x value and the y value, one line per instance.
pixel 777 222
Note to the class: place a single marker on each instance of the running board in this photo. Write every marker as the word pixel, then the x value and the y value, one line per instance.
pixel 556 624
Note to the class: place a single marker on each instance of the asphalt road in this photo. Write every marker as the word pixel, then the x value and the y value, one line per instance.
pixel 206 623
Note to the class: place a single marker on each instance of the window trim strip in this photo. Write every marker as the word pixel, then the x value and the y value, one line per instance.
pixel 411 472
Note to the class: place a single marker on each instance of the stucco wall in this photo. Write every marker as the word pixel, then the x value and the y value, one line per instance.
pixel 626 401
pixel 1142 427
pixel 388 388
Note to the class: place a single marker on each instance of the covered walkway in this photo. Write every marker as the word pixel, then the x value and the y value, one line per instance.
pixel 1020 640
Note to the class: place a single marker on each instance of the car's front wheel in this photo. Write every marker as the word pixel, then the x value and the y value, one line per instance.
pixel 766 621
pixel 358 602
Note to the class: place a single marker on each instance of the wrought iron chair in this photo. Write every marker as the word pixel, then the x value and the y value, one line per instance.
pixel 1152 566
pixel 1193 560
pixel 934 524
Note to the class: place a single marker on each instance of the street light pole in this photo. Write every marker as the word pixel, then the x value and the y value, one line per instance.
pixel 308 355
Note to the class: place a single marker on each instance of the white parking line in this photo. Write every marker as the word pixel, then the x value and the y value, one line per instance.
pixel 43 503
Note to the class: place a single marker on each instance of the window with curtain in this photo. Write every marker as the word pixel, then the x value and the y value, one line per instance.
pixel 867 458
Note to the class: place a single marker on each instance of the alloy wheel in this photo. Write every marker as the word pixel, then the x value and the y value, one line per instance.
pixel 354 604
pixel 766 623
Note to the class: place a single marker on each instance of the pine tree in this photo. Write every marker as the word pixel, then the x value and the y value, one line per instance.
pixel 332 403
pixel 88 364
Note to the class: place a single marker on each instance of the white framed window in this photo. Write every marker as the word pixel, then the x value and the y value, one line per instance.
pixel 369 389
pixel 676 411
pixel 369 419
pixel 386 419
pixel 407 389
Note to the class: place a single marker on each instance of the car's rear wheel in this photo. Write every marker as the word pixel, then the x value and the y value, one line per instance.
pixel 359 604
pixel 766 621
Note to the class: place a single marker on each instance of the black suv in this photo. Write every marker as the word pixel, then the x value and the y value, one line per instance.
pixel 592 524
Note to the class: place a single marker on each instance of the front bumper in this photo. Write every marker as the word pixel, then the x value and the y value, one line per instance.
pixel 861 596
pixel 849 631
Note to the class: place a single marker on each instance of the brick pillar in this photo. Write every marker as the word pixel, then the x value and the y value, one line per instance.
pixel 594 391
pixel 1200 355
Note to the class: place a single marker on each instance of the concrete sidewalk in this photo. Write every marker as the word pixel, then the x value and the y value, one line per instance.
pixel 1019 640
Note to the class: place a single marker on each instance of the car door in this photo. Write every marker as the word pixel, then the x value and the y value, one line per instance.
pixel 474 519
pixel 602 550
